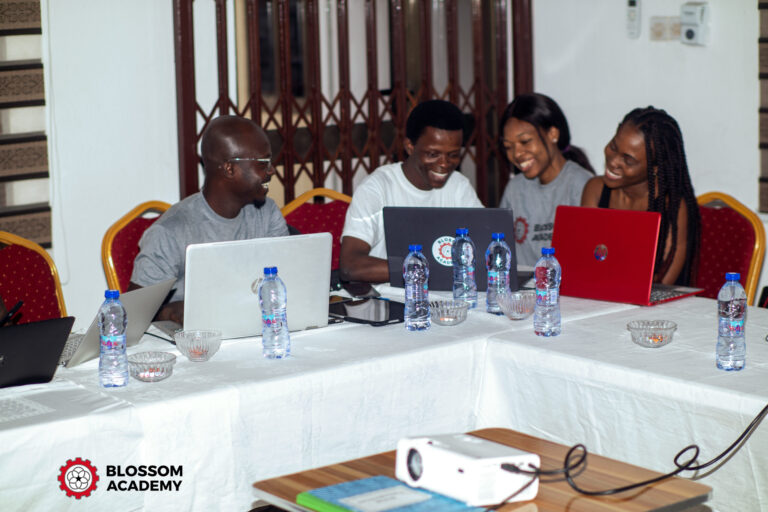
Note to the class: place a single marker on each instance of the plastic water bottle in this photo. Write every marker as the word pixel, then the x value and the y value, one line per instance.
pixel 546 312
pixel 113 360
pixel 463 258
pixel 273 298
pixel 498 258
pixel 731 350
pixel 416 277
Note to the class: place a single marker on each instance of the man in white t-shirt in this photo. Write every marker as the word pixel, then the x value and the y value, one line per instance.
pixel 434 134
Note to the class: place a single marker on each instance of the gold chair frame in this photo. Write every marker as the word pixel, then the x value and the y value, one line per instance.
pixel 306 196
pixel 106 243
pixel 758 251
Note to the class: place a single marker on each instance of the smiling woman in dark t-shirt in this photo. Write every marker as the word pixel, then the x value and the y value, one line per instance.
pixel 646 170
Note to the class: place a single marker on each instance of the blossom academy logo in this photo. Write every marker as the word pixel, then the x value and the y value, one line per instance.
pixel 78 478
pixel 521 229
pixel 441 250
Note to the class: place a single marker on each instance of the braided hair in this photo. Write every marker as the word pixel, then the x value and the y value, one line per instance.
pixel 669 183
pixel 543 113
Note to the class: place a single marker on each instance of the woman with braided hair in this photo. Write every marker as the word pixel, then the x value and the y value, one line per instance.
pixel 645 169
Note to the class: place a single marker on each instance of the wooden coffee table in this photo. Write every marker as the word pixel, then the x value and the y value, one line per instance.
pixel 555 495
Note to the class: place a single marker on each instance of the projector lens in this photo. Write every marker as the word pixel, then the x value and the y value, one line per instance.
pixel 414 464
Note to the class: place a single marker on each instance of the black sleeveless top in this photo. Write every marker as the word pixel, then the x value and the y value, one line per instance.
pixel 605 198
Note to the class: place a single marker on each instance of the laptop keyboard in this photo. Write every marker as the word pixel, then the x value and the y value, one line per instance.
pixel 662 292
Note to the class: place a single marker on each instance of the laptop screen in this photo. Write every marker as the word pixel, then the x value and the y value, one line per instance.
pixel 606 254
pixel 222 280
pixel 435 229
pixel 29 353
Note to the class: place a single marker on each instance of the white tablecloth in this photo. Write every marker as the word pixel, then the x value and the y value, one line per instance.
pixel 352 390
pixel 592 385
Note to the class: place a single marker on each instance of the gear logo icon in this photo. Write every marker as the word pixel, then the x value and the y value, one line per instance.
pixel 78 478
pixel 521 229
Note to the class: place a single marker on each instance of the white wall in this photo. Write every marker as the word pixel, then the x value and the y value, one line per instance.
pixel 585 61
pixel 111 96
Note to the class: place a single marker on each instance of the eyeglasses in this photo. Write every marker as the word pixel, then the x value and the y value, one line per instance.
pixel 263 164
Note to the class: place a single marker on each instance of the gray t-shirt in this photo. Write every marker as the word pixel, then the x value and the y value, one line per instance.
pixel 163 246
pixel 534 204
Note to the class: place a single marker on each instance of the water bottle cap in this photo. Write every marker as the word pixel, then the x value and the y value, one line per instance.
pixel 497 236
pixel 111 294
pixel 270 271
pixel 547 251
pixel 461 231
pixel 414 247
pixel 732 276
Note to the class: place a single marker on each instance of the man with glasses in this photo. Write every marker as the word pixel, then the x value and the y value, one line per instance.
pixel 232 205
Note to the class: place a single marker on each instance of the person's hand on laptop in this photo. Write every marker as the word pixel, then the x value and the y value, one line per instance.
pixel 355 263
pixel 173 311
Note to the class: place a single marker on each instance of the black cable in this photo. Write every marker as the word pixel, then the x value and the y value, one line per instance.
pixel 505 500
pixel 161 337
pixel 579 451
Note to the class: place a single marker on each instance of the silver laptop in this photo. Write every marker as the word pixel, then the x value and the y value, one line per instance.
pixel 140 305
pixel 222 281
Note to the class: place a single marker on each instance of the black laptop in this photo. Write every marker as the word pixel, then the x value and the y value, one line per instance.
pixel 435 229
pixel 29 353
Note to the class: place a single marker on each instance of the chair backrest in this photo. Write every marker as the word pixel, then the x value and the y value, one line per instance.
pixel 732 240
pixel 27 273
pixel 310 217
pixel 120 244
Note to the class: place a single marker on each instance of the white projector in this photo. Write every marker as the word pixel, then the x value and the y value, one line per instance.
pixel 465 468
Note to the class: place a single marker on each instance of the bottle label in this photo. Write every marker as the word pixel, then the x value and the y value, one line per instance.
pixel 731 327
pixel 546 297
pixel 272 322
pixel 113 342
pixel 732 315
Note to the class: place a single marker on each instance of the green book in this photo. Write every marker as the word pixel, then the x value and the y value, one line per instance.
pixel 379 494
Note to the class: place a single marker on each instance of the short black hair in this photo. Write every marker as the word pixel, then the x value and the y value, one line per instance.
pixel 440 114
pixel 223 139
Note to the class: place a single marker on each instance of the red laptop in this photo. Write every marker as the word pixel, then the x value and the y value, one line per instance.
pixel 609 255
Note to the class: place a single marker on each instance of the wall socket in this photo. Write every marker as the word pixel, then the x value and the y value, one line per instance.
pixel 664 28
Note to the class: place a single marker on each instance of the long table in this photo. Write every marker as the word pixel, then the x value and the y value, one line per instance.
pixel 353 390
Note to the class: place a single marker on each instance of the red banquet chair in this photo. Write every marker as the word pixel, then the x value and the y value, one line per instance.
pixel 28 274
pixel 311 217
pixel 120 244
pixel 732 240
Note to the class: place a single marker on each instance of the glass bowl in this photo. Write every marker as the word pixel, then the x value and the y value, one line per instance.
pixel 652 333
pixel 518 305
pixel 151 366
pixel 199 345
pixel 448 312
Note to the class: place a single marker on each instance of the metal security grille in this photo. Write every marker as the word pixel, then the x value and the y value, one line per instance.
pixel 329 139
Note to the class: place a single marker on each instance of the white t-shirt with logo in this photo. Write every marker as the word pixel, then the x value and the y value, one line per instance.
pixel 388 186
